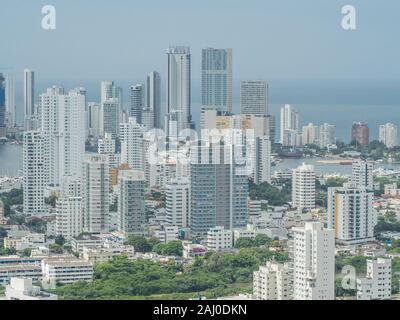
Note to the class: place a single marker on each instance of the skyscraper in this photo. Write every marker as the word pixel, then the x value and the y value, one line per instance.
pixel 310 134
pixel 253 97
pixel 110 117
pixel 2 105
pixel 62 120
pixel 177 204
pixel 327 134
pixel 34 172
pixel 216 79
pixel 388 134
pixel 289 130
pixel 132 144
pixel 263 160
pixel 359 133
pixel 154 97
pixel 219 191
pixel 10 101
pixel 131 202
pixel 361 173
pixel 137 102
pixel 314 262
pixel 29 96
pixel 178 90
pixel 95 193
pixel 303 187
pixel 350 213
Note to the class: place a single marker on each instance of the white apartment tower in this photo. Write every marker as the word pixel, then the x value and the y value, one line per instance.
pixel 350 213
pixel 314 262
pixel 289 130
pixel 95 192
pixel 327 135
pixel 388 134
pixel 137 102
pixel 310 134
pixel 34 170
pixel 361 174
pixel 253 97
pixel 377 284
pixel 132 148
pixel 131 202
pixel 272 282
pixel 216 79
pixel 178 90
pixel 303 187
pixel 178 202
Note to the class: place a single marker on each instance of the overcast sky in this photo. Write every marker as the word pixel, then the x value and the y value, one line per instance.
pixel 271 39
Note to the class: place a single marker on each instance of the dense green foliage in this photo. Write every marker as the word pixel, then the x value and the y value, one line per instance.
pixel 172 248
pixel 258 241
pixel 14 197
pixel 141 244
pixel 275 195
pixel 212 275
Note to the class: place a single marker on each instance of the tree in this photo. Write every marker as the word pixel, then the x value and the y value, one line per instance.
pixel 60 240
pixel 172 248
pixel 139 243
pixel 245 243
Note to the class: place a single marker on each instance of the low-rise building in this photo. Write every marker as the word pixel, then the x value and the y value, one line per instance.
pixel 218 238
pixel 28 270
pixel 22 289
pixel 85 240
pixel 66 270
pixel 107 252
pixel 166 234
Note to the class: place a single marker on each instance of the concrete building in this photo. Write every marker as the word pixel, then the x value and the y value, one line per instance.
pixel 95 193
pixel 132 148
pixel 137 102
pixel 303 187
pixel 388 134
pixel 177 206
pixel 29 97
pixel 131 202
pixel 153 90
pixel 377 284
pixel 22 289
pixel 327 135
pixel 216 79
pixel 253 97
pixel 10 110
pixel 66 270
pixel 310 134
pixel 262 170
pixel 272 282
pixel 359 133
pixel 361 173
pixel 178 90
pixel 289 129
pixel 350 214
pixel 219 239
pixel 34 171
pixel 314 262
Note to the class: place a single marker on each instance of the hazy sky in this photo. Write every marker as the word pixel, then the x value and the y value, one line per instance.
pixel 279 39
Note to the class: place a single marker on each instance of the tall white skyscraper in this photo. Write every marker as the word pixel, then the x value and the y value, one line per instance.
pixel 361 173
pixel 178 202
pixel 377 284
pixel 93 119
pixel 154 97
pixel 289 130
pixel 62 118
pixel 131 202
pixel 303 187
pixel 314 262
pixel 253 97
pixel 95 193
pixel 29 93
pixel 178 90
pixel 327 135
pixel 3 116
pixel 34 171
pixel 262 172
pixel 132 151
pixel 10 101
pixel 388 134
pixel 137 102
pixel 216 79
pixel 350 213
